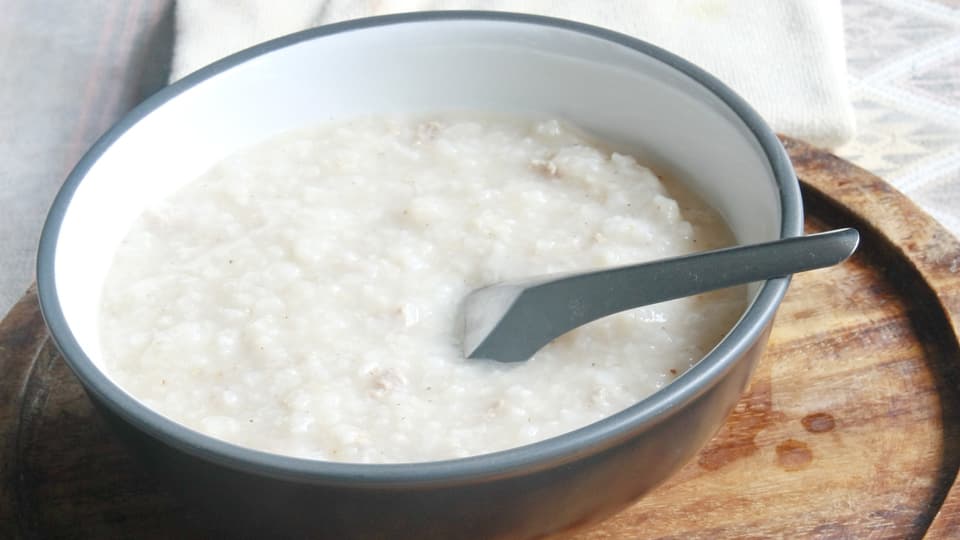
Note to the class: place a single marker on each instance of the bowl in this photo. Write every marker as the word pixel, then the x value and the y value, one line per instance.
pixel 672 115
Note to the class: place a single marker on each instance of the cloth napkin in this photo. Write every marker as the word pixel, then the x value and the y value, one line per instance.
pixel 785 57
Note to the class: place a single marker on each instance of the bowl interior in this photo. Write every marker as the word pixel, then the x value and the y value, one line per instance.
pixel 637 102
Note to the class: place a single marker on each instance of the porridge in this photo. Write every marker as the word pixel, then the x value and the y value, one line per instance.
pixel 302 297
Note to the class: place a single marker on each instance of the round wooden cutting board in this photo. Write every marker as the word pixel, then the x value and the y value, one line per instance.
pixel 850 428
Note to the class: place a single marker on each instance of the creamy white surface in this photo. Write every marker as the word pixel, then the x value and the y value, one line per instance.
pixel 301 297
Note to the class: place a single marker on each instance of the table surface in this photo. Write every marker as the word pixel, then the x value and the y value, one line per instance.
pixel 70 69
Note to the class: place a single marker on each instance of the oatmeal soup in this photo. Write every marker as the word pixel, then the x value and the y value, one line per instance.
pixel 302 296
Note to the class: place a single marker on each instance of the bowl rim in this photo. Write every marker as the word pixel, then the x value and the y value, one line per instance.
pixel 538 456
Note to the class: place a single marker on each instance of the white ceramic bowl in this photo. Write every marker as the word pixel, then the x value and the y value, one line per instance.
pixel 670 114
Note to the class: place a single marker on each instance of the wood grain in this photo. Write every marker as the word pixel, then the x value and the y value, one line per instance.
pixel 851 426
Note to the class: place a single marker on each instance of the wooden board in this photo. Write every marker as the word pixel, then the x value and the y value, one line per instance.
pixel 851 426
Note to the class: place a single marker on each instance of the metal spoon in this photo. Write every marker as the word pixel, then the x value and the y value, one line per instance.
pixel 510 321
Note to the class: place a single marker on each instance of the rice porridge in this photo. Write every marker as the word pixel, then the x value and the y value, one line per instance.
pixel 302 297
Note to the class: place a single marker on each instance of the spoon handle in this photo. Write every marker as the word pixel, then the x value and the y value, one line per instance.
pixel 545 309
pixel 610 291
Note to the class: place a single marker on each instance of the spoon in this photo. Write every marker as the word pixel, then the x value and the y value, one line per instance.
pixel 512 320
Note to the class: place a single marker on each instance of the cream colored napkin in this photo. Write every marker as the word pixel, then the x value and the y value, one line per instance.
pixel 785 57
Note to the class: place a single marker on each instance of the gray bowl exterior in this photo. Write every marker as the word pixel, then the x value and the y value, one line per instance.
pixel 548 501
pixel 545 488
